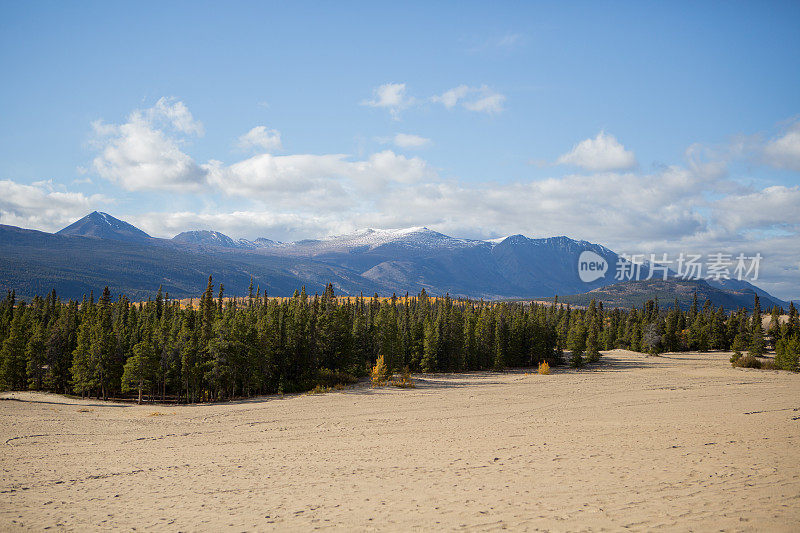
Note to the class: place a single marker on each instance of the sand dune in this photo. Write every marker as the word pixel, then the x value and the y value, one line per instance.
pixel 677 442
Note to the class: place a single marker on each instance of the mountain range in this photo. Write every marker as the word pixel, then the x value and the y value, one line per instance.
pixel 100 250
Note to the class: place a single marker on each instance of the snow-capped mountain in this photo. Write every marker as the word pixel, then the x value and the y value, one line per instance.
pixel 372 239
pixel 104 226
pixel 212 238
pixel 368 261
pixel 206 238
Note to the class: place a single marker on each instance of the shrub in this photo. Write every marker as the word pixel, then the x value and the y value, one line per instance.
pixel 748 361
pixel 405 381
pixel 544 368
pixel 319 389
pixel 735 357
pixel 380 372
pixel 769 364
pixel 576 361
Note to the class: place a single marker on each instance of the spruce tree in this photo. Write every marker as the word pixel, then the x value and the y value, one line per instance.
pixel 139 369
pixel 35 358
pixel 757 338
pixel 12 353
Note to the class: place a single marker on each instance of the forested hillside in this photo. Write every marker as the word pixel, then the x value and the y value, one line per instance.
pixel 236 348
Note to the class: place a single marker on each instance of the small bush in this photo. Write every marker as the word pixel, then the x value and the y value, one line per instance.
pixel 748 361
pixel 405 381
pixel 320 389
pixel 576 361
pixel 769 364
pixel 380 373
pixel 544 368
pixel 735 357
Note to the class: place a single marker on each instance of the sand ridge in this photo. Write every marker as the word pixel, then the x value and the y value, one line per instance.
pixel 682 441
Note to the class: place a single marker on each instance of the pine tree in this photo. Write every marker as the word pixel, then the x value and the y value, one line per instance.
pixel 430 355
pixel 787 353
pixel 576 341
pixel 593 330
pixel 500 343
pixel 35 358
pixel 757 338
pixel 12 353
pixel 139 369
pixel 83 369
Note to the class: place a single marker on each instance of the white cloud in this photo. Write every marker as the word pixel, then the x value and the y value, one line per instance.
pixel 691 207
pixel 40 206
pixel 391 96
pixel 176 114
pixel 261 138
pixel 784 151
pixel 306 177
pixel 602 153
pixel 490 103
pixel 450 98
pixel 141 154
pixel 250 224
pixel 407 140
pixel 480 99
pixel 773 207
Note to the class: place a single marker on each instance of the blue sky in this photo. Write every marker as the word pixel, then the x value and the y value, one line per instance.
pixel 643 126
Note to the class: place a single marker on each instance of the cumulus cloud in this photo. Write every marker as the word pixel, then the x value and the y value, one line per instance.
pixel 250 224
pixel 323 177
pixel 176 114
pixel 673 208
pixel 602 153
pixel 772 207
pixel 479 99
pixel 784 151
pixel 406 140
pixel 261 138
pixel 41 206
pixel 144 153
pixel 391 96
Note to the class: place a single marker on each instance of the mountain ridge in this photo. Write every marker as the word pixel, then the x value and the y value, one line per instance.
pixel 86 254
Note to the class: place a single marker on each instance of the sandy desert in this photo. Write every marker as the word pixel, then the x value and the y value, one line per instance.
pixel 679 442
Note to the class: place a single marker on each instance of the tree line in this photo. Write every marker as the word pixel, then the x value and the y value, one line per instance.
pixel 241 347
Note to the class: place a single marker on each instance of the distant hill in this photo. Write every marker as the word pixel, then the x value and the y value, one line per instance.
pixel 34 262
pixel 630 294
pixel 104 226
pixel 215 239
pixel 101 250
pixel 212 238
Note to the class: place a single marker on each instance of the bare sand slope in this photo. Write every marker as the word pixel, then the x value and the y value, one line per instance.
pixel 678 442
